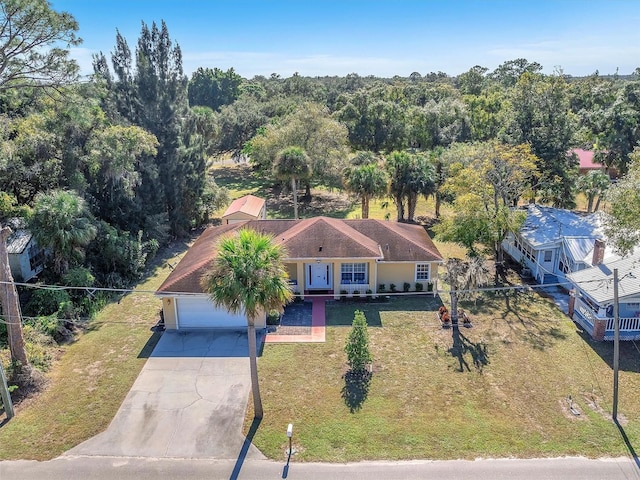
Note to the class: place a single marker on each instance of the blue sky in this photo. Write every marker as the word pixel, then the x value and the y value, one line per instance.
pixel 374 37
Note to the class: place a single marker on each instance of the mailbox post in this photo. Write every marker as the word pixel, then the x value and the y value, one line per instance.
pixel 290 450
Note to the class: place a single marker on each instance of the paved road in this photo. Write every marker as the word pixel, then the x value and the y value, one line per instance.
pixel 122 468
pixel 188 401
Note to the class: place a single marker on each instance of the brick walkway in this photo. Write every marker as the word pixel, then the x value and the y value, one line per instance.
pixel 317 331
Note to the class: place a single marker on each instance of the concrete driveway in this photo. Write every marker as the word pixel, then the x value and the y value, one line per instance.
pixel 189 401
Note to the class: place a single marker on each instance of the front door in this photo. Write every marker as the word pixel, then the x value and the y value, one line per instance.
pixel 318 276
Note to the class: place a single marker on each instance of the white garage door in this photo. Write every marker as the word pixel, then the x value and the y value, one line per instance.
pixel 200 312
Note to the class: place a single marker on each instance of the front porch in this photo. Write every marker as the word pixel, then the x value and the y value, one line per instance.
pixel 603 328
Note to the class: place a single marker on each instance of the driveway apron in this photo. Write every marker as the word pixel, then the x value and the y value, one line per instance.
pixel 189 401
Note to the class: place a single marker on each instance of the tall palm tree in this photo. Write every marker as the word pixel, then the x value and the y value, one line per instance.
pixel 248 276
pixel 62 223
pixel 292 164
pixel 366 181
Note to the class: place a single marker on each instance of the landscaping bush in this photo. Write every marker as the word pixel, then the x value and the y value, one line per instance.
pixel 382 288
pixel 343 295
pixel 406 287
pixel 419 287
pixel 47 302
pixel 273 318
pixel 357 347
pixel 393 287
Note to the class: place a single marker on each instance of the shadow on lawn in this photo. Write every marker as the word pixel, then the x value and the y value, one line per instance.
pixel 632 450
pixel 356 388
pixel 462 346
pixel 629 360
pixel 524 313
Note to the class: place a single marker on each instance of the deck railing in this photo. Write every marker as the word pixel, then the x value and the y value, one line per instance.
pixel 587 317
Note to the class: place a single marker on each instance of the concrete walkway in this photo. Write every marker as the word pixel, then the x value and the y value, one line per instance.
pixel 318 325
pixel 189 401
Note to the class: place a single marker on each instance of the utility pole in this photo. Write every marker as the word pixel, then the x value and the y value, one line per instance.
pixel 616 344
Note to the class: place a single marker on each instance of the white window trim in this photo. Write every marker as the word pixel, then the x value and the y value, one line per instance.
pixel 428 265
pixel 352 264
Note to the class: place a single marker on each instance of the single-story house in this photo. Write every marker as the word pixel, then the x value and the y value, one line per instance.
pixel 244 208
pixel 591 304
pixel 554 242
pixel 324 256
pixel 26 258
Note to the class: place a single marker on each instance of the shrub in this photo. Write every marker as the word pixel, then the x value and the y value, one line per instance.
pixel 429 287
pixel 273 318
pixel 46 301
pixel 419 287
pixel 382 288
pixel 343 294
pixel 356 293
pixel 393 287
pixel 406 287
pixel 357 347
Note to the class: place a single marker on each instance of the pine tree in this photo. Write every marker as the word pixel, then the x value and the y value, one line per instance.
pixel 154 97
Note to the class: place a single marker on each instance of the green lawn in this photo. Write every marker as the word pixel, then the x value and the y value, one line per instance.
pixel 91 379
pixel 499 389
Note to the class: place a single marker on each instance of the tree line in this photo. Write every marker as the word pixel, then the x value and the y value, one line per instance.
pixel 106 171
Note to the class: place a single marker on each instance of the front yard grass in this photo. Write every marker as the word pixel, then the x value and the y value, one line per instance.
pixel 499 389
pixel 91 379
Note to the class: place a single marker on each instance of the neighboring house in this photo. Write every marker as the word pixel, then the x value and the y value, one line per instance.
pixel 324 256
pixel 26 258
pixel 592 303
pixel 244 208
pixel 555 242
pixel 587 163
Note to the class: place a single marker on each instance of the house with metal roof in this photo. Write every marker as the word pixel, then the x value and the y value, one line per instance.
pixel 592 302
pixel 325 255
pixel 554 242
pixel 244 208
pixel 26 258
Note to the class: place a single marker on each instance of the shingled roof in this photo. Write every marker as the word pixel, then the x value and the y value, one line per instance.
pixel 313 238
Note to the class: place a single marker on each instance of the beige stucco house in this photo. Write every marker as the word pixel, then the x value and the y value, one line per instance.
pixel 324 256
pixel 244 208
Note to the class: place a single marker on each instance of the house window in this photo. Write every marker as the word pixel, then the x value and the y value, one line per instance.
pixel 36 257
pixel 353 273
pixel 423 271
pixel 548 255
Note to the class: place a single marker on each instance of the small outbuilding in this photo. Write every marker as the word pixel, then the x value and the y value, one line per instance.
pixel 26 258
pixel 244 208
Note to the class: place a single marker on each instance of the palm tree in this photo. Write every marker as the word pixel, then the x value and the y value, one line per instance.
pixel 62 223
pixel 248 276
pixel 463 276
pixel 292 164
pixel 366 181
pixel 593 184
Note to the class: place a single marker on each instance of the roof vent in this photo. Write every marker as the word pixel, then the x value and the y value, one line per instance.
pixel 386 247
pixel 320 248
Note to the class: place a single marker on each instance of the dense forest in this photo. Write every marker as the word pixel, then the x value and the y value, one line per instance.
pixel 107 170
